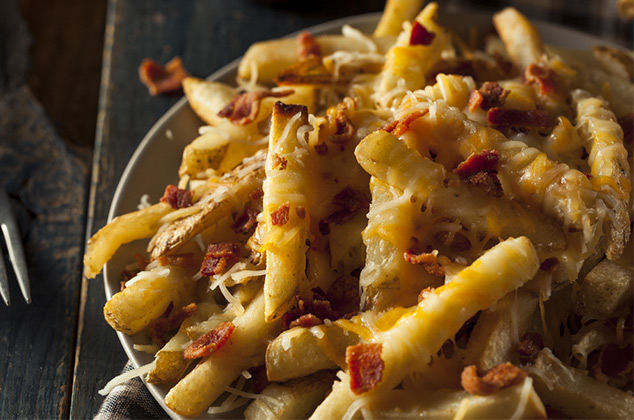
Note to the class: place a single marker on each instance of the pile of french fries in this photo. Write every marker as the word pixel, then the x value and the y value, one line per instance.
pixel 394 225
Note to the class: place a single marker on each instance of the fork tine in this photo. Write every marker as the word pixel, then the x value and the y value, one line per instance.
pixel 4 283
pixel 14 245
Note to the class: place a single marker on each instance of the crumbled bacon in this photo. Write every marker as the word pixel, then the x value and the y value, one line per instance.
pixel 490 95
pixel 350 202
pixel 319 307
pixel 543 76
pixel 180 260
pixel 209 342
pixel 614 365
pixel 247 220
pixel 486 160
pixel 549 264
pixel 344 130
pixel 305 321
pixel 176 197
pixel 218 257
pixel 159 79
pixel 531 344
pixel 259 379
pixel 244 108
pixel 504 118
pixel 481 170
pixel 279 162
pixel 399 127
pixel 307 46
pixel 428 260
pixel 365 366
pixel 499 377
pixel 159 329
pixel 141 260
pixel 321 149
pixel 279 216
pixel 420 35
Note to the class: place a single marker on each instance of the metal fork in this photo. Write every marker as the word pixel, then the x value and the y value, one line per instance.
pixel 16 253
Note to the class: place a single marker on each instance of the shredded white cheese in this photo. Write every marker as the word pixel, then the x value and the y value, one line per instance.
pixel 125 376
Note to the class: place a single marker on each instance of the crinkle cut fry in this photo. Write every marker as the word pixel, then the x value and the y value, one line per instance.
pixel 526 173
pixel 416 336
pixel 609 167
pixel 380 152
pixel 219 202
pixel 285 187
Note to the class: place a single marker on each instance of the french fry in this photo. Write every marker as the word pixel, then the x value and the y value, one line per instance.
pixel 440 314
pixel 285 209
pixel 519 401
pixel 296 398
pixel 147 298
pixel 245 349
pixel 604 291
pixel 576 394
pixel 226 195
pixel 497 332
pixel 121 230
pixel 521 39
pixel 394 14
pixel 301 351
pixel 207 98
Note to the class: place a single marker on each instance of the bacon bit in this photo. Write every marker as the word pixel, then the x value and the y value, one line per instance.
pixel 179 260
pixel 365 366
pixel 209 342
pixel 301 212
pixel 490 95
pixel 159 329
pixel 218 257
pixel 543 76
pixel 421 295
pixel 279 216
pixel 428 260
pixel 177 198
pixel 279 162
pixel 159 79
pixel 486 160
pixel 399 127
pixel 256 194
pixel 244 108
pixel 504 118
pixel 344 130
pixel 549 264
pixel 306 321
pixel 420 35
pixel 321 149
pixel 247 220
pixel 259 378
pixel 475 100
pixel 487 181
pixel 351 202
pixel 499 377
pixel 319 307
pixel 614 365
pixel 531 344
pixel 307 46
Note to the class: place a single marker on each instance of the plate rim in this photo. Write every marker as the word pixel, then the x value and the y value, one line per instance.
pixel 582 38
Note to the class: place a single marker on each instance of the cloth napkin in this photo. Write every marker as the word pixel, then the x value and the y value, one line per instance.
pixel 130 400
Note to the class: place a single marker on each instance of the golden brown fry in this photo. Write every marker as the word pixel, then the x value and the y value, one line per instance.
pixel 394 14
pixel 521 39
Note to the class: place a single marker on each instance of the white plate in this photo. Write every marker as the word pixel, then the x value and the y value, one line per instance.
pixel 163 145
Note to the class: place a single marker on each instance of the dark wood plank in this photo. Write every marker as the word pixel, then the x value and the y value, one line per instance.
pixel 207 35
pixel 47 186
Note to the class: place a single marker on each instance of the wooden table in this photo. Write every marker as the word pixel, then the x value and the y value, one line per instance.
pixel 58 352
